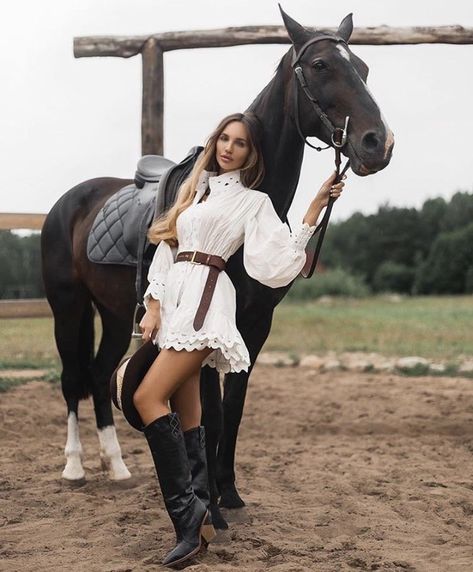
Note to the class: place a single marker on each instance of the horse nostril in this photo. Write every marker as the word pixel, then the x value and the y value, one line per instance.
pixel 370 141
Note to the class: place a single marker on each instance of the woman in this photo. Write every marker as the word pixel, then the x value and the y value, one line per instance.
pixel 190 305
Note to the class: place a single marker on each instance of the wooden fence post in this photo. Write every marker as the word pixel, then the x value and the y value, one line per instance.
pixel 153 99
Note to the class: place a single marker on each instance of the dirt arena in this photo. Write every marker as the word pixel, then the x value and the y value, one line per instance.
pixel 339 471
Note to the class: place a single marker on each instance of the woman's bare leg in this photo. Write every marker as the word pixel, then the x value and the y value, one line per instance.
pixel 169 371
pixel 186 402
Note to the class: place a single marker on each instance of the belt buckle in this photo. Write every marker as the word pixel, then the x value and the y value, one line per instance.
pixel 193 257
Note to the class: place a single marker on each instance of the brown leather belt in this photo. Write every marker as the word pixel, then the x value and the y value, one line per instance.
pixel 216 264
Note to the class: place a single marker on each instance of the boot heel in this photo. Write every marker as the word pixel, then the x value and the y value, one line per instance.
pixel 208 534
pixel 207 531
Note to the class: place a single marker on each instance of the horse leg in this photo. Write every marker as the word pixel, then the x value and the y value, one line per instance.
pixel 73 331
pixel 113 344
pixel 211 398
pixel 235 388
pixel 254 332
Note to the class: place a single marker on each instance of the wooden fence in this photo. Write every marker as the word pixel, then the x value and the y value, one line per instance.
pixel 153 47
pixel 33 308
pixel 15 221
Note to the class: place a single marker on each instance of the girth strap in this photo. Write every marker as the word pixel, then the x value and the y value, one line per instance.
pixel 216 265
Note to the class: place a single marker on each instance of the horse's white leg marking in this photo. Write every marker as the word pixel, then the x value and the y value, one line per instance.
pixel 73 471
pixel 111 454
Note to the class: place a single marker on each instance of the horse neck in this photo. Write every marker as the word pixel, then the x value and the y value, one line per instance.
pixel 283 149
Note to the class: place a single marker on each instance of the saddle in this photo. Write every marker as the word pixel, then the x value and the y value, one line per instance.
pixel 118 233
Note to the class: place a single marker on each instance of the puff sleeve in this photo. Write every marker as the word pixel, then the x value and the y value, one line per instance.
pixel 162 261
pixel 273 254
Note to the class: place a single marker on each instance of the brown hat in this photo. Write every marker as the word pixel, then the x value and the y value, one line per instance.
pixel 126 379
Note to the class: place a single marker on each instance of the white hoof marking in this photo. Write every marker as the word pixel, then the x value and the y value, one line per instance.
pixel 73 471
pixel 111 455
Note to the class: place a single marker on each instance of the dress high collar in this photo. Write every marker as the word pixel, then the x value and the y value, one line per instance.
pixel 226 182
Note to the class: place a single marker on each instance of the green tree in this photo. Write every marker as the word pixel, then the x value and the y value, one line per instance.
pixel 459 212
pixel 10 262
pixel 447 269
pixel 20 263
pixel 362 243
pixel 393 277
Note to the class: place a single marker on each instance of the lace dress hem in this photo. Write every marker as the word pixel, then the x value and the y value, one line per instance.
pixel 230 355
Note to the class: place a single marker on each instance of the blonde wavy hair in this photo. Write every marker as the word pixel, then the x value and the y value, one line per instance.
pixel 251 175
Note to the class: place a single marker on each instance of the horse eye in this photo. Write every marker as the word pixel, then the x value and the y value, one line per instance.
pixel 319 65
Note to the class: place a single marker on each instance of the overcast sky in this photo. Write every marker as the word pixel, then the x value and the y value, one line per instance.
pixel 65 120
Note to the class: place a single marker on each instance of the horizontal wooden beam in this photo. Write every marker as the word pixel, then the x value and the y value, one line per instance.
pixel 128 46
pixel 11 221
pixel 34 308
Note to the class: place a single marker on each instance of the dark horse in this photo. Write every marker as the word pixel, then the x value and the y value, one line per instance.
pixel 75 286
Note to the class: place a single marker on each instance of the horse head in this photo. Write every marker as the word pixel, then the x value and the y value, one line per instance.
pixel 325 70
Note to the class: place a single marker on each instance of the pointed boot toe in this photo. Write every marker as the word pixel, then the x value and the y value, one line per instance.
pixel 190 545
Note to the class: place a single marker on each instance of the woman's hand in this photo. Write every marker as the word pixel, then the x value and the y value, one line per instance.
pixel 329 190
pixel 320 201
pixel 151 321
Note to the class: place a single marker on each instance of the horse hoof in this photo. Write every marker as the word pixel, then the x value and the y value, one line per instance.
pixel 229 498
pixel 217 518
pixel 73 484
pixel 122 476
pixel 111 456
pixel 115 468
pixel 237 515
pixel 73 471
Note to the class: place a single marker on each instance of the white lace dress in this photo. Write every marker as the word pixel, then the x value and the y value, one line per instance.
pixel 230 216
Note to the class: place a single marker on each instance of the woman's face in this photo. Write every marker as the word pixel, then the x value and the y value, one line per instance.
pixel 233 147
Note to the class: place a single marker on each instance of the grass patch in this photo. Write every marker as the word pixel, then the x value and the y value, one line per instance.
pixel 416 371
pixel 7 382
pixel 23 364
pixel 29 343
pixel 432 327
pixel 438 328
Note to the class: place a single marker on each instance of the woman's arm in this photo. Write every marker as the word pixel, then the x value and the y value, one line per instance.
pixel 151 321
pixel 273 254
pixel 320 201
pixel 162 262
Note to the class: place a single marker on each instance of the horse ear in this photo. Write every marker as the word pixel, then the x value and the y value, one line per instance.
pixel 346 27
pixel 298 34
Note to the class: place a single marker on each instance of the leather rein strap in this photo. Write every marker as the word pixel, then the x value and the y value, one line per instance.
pixel 216 265
pixel 338 138
pixel 312 252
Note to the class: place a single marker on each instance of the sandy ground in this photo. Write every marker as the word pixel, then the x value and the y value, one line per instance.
pixel 339 471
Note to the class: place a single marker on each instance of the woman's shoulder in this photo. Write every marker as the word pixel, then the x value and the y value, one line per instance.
pixel 256 197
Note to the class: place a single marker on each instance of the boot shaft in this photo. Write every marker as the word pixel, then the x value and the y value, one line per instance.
pixel 197 455
pixel 168 449
pixel 188 513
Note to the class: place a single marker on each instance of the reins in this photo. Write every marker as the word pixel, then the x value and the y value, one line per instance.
pixel 338 137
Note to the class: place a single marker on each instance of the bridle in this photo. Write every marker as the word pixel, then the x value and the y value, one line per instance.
pixel 338 138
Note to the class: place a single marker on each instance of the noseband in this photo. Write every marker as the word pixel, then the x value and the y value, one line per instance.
pixel 338 137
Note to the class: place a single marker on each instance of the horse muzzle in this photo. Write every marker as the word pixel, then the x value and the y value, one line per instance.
pixel 372 153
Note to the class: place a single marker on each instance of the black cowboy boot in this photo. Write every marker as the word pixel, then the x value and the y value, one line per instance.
pixel 188 514
pixel 196 453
